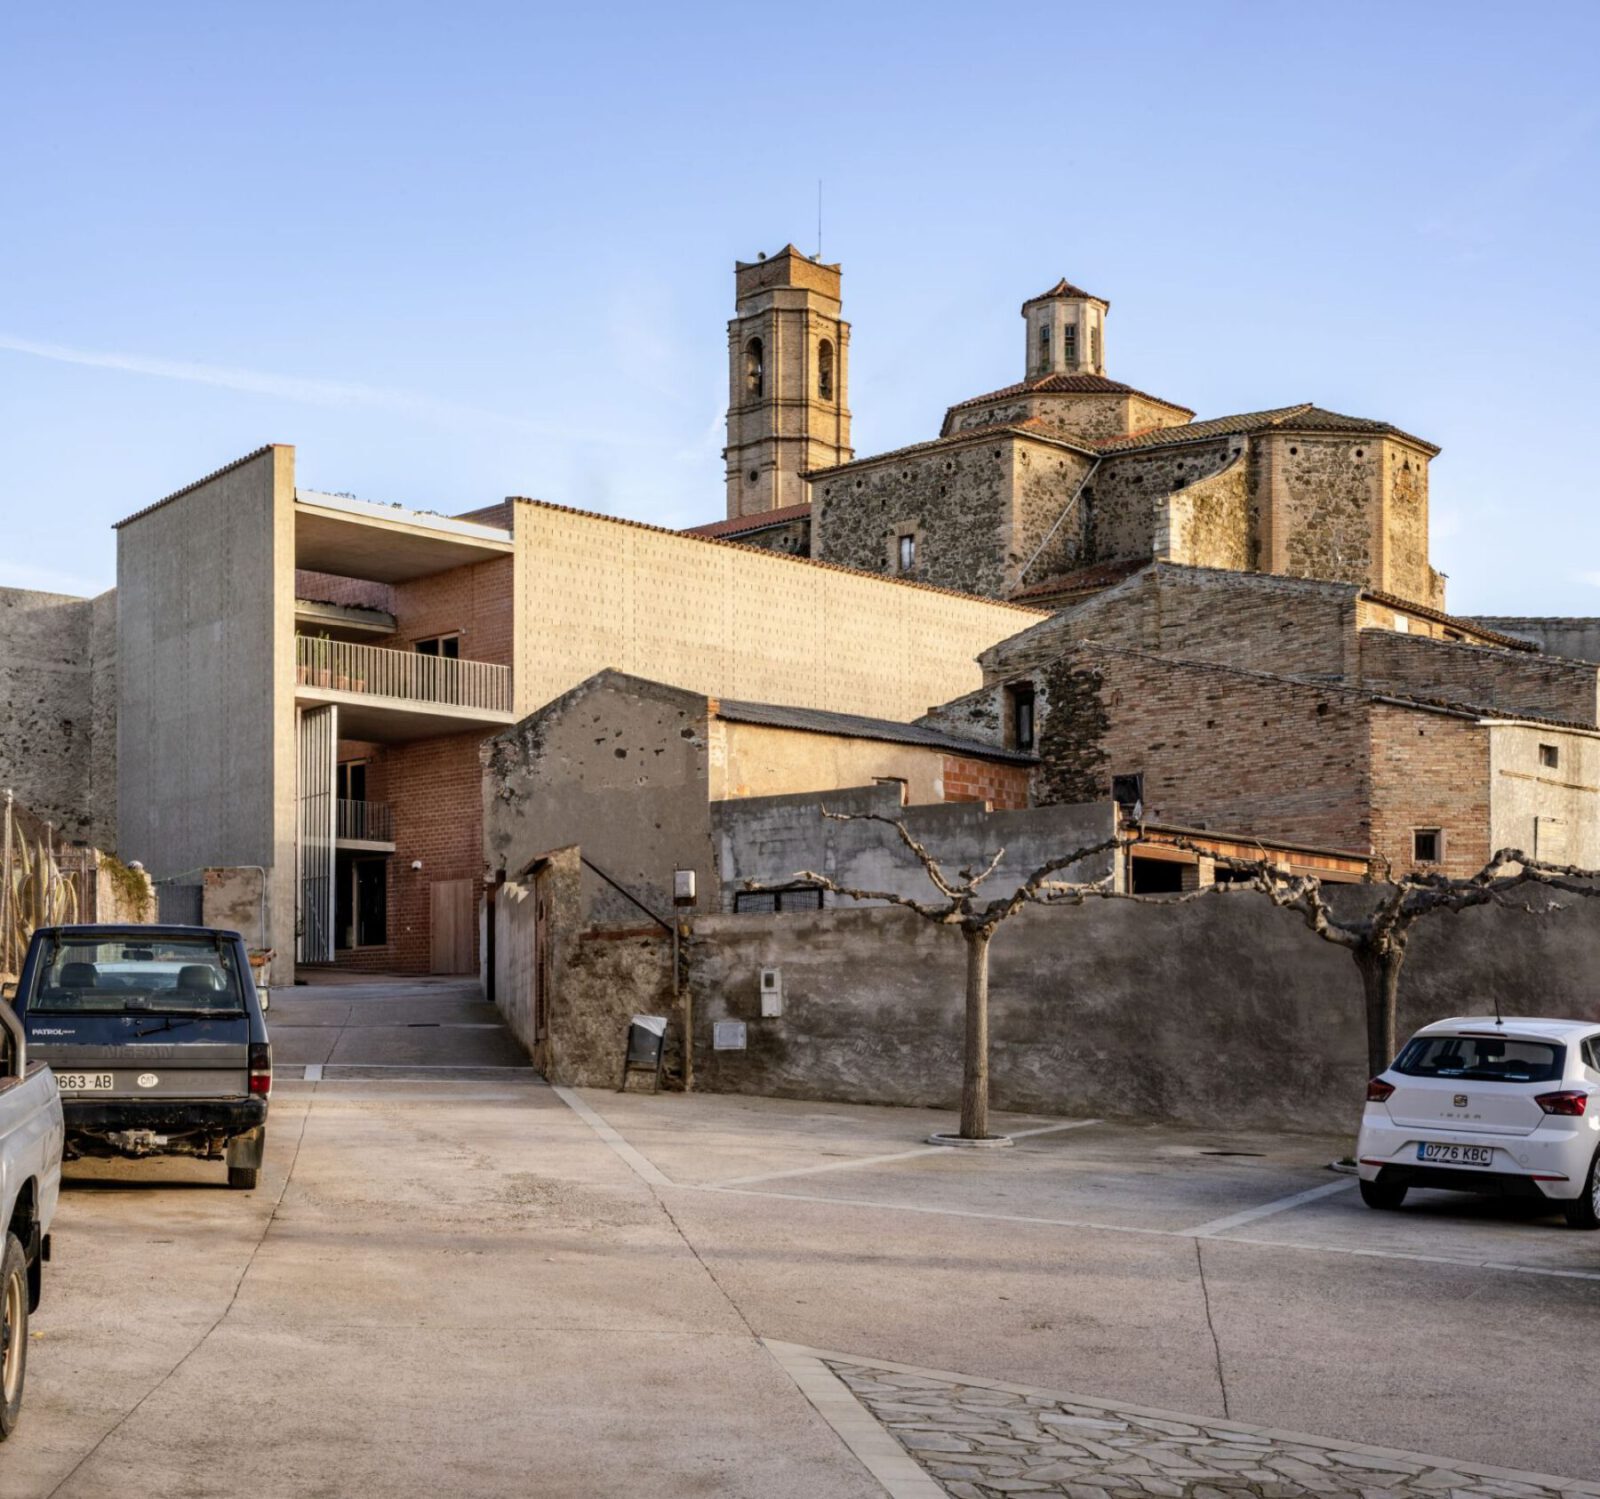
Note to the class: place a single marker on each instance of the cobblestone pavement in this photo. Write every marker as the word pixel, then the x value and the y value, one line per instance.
pixel 983 1442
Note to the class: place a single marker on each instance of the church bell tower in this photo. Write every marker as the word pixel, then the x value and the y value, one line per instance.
pixel 788 378
pixel 1066 332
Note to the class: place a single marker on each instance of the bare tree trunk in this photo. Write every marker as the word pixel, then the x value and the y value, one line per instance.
pixel 1380 984
pixel 975 1073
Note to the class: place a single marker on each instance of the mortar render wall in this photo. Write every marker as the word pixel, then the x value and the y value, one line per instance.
pixel 1550 812
pixel 205 671
pixel 1577 639
pixel 734 622
pixel 753 760
pixel 1218 1013
pixel 47 708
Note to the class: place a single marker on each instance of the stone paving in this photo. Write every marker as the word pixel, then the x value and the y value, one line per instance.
pixel 980 1442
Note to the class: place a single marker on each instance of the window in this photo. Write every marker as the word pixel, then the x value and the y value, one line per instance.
pixel 1019 701
pixel 1402 624
pixel 1094 348
pixel 1427 845
pixel 1069 336
pixel 825 370
pixel 1498 1059
pixel 1549 756
pixel 906 553
pixel 777 902
pixel 1044 343
pixel 755 382
pixel 361 902
pixel 352 780
pixel 448 646
pixel 1128 792
pixel 155 974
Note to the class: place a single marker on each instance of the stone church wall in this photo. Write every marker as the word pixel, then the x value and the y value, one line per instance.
pixel 1406 568
pixel 1123 501
pixel 1209 523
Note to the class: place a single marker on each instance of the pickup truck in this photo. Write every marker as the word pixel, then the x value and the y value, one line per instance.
pixel 31 1138
pixel 157 1041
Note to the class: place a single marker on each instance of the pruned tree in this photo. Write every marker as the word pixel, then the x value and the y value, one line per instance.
pixel 963 906
pixel 1377 937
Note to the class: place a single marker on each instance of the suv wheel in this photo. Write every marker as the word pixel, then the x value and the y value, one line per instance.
pixel 242 1178
pixel 1583 1211
pixel 1382 1194
pixel 13 1333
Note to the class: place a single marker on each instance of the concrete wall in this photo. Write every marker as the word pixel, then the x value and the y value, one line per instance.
pixel 233 900
pixel 1577 639
pixel 769 839
pixel 1222 1012
pixel 733 621
pixel 206 753
pixel 57 719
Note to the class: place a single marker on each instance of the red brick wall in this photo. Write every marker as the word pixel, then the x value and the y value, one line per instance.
pixel 966 780
pixel 1430 771
pixel 475 601
pixel 329 588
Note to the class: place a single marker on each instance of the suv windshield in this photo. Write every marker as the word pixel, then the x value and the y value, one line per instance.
pixel 1488 1058
pixel 135 975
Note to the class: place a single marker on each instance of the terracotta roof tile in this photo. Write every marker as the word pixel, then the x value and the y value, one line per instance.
pixel 178 494
pixel 1064 288
pixel 1064 384
pixel 1305 416
pixel 741 525
pixel 1031 427
pixel 854 726
pixel 1085 580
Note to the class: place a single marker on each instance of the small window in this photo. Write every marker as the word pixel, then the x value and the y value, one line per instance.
pixel 825 370
pixel 1020 727
pixel 1044 342
pixel 1402 624
pixel 755 381
pixel 448 646
pixel 1094 347
pixel 1549 756
pixel 1069 337
pixel 1127 792
pixel 1427 845
pixel 906 553
pixel 777 902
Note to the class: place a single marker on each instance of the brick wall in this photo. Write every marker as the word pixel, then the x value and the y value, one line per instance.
pixel 1511 681
pixel 474 601
pixel 1429 770
pixel 330 588
pixel 1005 787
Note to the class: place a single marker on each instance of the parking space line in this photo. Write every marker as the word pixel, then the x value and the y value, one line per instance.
pixel 899 1155
pixel 1267 1210
pixel 313 1072
pixel 642 1167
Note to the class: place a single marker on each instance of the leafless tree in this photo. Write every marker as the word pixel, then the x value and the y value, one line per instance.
pixel 962 906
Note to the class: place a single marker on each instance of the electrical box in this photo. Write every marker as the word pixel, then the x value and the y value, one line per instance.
pixel 683 887
pixel 771 993
pixel 728 1035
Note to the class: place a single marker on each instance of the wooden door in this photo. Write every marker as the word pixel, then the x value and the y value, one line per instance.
pixel 450 926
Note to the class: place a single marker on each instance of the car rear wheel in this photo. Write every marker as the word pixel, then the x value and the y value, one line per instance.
pixel 242 1178
pixel 1382 1194
pixel 1583 1211
pixel 13 1333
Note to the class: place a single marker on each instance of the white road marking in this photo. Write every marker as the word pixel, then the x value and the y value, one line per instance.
pixel 642 1167
pixel 899 1155
pixel 1267 1209
pixel 313 1072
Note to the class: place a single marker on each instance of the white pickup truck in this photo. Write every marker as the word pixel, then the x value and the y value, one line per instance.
pixel 31 1138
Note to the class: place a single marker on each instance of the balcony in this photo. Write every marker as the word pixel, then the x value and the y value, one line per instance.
pixel 364 825
pixel 387 696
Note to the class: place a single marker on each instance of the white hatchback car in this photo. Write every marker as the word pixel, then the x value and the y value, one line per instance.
pixel 1509 1108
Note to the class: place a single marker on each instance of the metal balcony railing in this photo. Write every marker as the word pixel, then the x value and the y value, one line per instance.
pixel 365 822
pixel 407 676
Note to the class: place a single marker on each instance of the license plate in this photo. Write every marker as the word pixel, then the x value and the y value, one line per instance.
pixel 84 1082
pixel 1456 1155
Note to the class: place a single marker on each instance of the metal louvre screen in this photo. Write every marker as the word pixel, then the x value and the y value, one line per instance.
pixel 316 808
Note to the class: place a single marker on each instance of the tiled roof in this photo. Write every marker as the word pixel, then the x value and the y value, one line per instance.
pixel 1302 417
pixel 1064 288
pixel 1031 427
pixel 1064 384
pixel 742 525
pixel 178 494
pixel 1085 580
pixel 1455 621
pixel 853 726
pixel 498 514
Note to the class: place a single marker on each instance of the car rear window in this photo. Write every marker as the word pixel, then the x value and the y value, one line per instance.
pixel 1503 1059
pixel 161 975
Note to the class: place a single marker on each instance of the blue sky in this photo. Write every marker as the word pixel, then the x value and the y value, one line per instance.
pixel 453 252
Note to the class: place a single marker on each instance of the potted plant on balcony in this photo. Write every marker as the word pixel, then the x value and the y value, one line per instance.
pixel 316 669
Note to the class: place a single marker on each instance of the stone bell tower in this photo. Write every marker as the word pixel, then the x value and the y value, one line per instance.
pixel 1066 332
pixel 788 378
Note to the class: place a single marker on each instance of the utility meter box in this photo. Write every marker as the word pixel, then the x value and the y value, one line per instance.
pixel 683 887
pixel 771 993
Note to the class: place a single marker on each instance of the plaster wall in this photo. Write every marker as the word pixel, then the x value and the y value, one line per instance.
pixel 206 754
pixel 1577 639
pixel 751 760
pixel 1551 812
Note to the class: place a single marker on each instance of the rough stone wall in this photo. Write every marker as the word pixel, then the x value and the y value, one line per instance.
pixel 1325 507
pixel 595 593
pixel 1209 523
pixel 47 709
pixel 1429 770
pixel 102 799
pixel 1044 481
pixel 1122 503
pixel 1511 681
pixel 1577 639
pixel 1217 1013
pixel 1405 480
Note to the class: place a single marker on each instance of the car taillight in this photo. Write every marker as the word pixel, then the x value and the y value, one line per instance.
pixel 1571 1102
pixel 260 1067
pixel 1378 1091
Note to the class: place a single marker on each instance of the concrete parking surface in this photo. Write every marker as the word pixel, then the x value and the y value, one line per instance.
pixel 456 1280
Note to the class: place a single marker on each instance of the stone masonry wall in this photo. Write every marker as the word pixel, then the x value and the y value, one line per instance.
pixel 1122 501
pixel 1209 524
pixel 1511 681
pixel 1406 569
pixel 1325 507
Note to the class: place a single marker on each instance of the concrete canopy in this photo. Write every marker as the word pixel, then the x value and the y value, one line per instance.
pixel 354 539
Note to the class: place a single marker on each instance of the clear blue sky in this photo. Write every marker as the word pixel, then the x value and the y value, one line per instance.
pixel 457 251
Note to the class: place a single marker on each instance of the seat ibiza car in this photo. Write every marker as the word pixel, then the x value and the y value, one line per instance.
pixel 1509 1108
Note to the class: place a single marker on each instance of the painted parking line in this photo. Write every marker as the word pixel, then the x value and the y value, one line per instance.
pixel 899 1155
pixel 644 1168
pixel 313 1072
pixel 1267 1210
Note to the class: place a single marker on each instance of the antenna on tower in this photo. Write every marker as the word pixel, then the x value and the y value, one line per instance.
pixel 819 218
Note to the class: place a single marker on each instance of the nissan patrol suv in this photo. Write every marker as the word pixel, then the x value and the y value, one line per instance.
pixel 156 1040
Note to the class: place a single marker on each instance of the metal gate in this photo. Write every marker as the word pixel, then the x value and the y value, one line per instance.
pixel 316 808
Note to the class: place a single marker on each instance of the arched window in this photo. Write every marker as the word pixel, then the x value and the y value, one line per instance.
pixel 755 382
pixel 825 370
